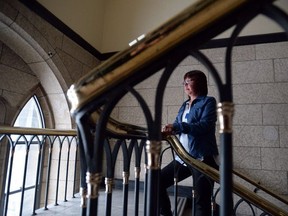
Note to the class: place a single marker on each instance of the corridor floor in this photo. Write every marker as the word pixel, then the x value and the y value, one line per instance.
pixel 72 206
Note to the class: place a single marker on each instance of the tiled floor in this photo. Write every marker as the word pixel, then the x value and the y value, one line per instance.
pixel 72 206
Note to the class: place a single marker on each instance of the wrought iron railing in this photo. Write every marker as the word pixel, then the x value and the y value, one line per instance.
pixel 135 147
pixel 36 163
pixel 132 150
pixel 164 49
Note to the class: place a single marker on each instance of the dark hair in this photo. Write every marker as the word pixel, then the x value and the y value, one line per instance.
pixel 200 84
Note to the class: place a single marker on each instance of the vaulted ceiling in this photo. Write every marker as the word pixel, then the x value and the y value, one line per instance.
pixel 109 25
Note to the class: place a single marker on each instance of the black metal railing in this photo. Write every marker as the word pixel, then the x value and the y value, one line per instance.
pixel 130 153
pixel 33 159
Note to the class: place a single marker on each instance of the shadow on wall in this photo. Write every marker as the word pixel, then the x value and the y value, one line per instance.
pixel 3 110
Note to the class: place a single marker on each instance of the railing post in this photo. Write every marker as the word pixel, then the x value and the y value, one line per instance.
pixel 153 149
pixel 125 176
pixel 48 176
pixel 108 191
pixel 83 205
pixel 225 114
pixel 93 184
pixel 137 187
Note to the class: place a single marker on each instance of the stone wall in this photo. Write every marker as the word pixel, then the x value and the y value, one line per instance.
pixel 35 55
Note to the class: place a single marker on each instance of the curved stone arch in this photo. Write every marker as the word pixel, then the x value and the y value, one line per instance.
pixel 44 67
pixel 39 92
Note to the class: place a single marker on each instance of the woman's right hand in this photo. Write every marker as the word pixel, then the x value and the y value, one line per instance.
pixel 167 129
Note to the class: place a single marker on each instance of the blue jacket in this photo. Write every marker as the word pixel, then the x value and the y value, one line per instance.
pixel 200 127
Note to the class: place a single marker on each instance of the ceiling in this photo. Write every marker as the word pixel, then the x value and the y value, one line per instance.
pixel 109 25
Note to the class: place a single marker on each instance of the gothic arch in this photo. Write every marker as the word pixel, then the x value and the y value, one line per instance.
pixel 43 66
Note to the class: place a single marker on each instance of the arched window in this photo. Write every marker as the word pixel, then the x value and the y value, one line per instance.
pixel 31 115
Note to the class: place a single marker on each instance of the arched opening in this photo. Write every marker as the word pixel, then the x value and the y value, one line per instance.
pixel 50 87
pixel 31 115
pixel 46 71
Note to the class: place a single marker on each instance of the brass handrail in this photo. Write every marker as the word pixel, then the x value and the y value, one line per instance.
pixel 113 126
pixel 188 24
pixel 214 174
pixel 257 184
pixel 35 131
pixel 119 128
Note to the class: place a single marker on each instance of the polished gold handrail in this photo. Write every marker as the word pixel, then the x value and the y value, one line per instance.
pixel 119 128
pixel 188 24
pixel 257 184
pixel 113 126
pixel 238 189
pixel 35 131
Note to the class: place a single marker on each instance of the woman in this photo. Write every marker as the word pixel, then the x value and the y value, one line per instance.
pixel 195 124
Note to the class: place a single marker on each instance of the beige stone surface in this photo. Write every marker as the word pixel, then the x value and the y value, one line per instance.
pixel 283 136
pixel 260 136
pixel 272 50
pixel 248 114
pixel 281 68
pixel 253 72
pixel 275 114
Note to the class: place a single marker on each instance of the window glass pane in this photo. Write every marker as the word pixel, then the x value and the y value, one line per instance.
pixel 30 115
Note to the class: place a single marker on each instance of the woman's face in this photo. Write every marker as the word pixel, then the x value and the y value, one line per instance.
pixel 189 86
